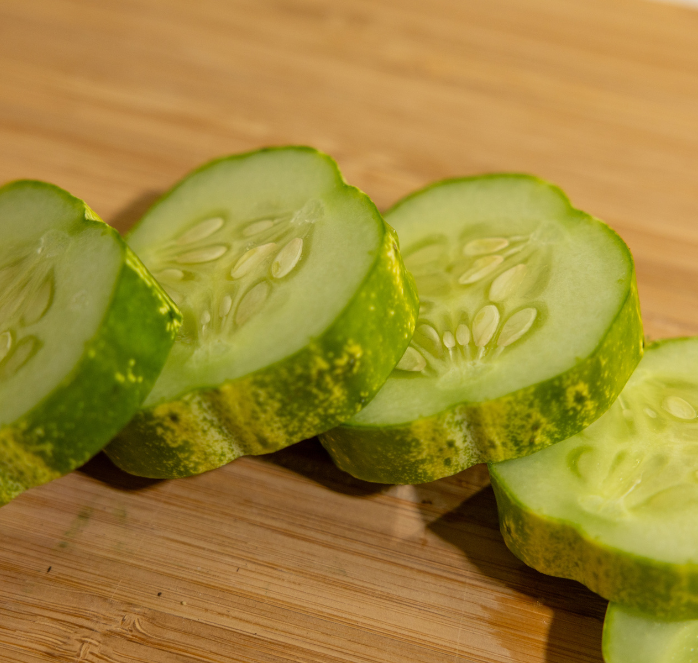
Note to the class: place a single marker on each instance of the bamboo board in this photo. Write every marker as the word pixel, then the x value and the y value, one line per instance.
pixel 284 558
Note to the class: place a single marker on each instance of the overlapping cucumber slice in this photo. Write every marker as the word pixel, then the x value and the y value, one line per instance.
pixel 616 506
pixel 84 333
pixel 296 308
pixel 528 329
pixel 630 636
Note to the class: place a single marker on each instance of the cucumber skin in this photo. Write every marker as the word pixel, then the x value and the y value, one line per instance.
pixel 557 548
pixel 307 393
pixel 514 425
pixel 115 374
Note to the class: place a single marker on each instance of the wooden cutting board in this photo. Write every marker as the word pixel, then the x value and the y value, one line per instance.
pixel 284 558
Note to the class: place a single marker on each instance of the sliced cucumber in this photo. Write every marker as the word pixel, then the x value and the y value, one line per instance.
pixel 616 506
pixel 84 333
pixel 529 327
pixel 630 636
pixel 296 308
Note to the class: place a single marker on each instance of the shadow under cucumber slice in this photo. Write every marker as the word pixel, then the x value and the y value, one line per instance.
pixel 84 333
pixel 615 507
pixel 630 636
pixel 296 308
pixel 529 327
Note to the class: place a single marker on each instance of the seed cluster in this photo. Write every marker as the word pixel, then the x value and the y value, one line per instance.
pixel 221 271
pixel 464 313
pixel 629 475
pixel 27 285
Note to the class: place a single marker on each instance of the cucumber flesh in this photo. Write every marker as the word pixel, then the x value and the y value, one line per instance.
pixel 84 332
pixel 518 292
pixel 266 254
pixel 261 254
pixel 54 275
pixel 615 506
pixel 630 636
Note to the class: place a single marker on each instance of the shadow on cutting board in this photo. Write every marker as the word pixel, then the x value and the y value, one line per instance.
pixel 309 459
pixel 102 469
pixel 575 631
pixel 306 458
pixel 125 218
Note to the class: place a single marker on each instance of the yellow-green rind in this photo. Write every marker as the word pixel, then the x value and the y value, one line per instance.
pixel 117 369
pixel 303 395
pixel 514 425
pixel 559 548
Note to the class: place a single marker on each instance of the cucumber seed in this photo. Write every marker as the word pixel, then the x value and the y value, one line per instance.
pixel 507 283
pixel 516 326
pixel 679 407
pixel 481 268
pixel 462 334
pixel 257 227
pixel 411 361
pixel 287 258
pixel 485 325
pixel 225 306
pixel 252 302
pixel 5 344
pixel 171 275
pixel 485 245
pixel 252 259
pixel 201 230
pixel 40 303
pixel 209 254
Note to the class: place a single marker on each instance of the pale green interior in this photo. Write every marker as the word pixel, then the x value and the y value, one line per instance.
pixel 632 637
pixel 577 273
pixel 630 480
pixel 300 196
pixel 57 274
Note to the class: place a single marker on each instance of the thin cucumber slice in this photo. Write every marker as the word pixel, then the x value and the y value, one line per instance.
pixel 630 636
pixel 528 329
pixel 616 506
pixel 296 309
pixel 84 333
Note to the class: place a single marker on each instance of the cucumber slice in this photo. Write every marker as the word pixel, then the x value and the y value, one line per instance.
pixel 84 333
pixel 528 329
pixel 616 506
pixel 296 308
pixel 630 636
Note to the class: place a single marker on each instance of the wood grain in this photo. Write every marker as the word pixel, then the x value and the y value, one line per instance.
pixel 284 558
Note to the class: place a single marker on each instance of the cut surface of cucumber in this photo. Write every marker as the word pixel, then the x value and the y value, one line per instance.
pixel 528 328
pixel 84 332
pixel 630 636
pixel 616 506
pixel 296 308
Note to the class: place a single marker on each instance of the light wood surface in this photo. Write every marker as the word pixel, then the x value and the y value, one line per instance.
pixel 284 558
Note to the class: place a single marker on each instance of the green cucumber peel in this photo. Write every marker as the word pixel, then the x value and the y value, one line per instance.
pixel 296 306
pixel 84 333
pixel 529 327
pixel 614 506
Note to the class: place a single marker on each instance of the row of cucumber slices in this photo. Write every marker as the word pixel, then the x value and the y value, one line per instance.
pixel 263 301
